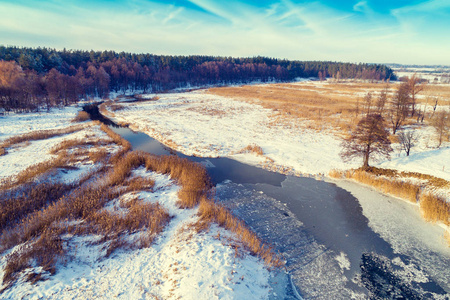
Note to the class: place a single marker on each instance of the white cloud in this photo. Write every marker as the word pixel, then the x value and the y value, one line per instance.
pixel 285 29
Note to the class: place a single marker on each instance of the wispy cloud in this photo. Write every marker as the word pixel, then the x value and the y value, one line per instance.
pixel 280 28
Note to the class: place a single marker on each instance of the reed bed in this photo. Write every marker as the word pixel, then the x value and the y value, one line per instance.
pixel 433 207
pixel 81 116
pixel 389 185
pixel 33 215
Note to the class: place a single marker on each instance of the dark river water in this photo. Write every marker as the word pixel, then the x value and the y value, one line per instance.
pixel 328 214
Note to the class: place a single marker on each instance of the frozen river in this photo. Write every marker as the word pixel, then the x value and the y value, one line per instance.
pixel 331 251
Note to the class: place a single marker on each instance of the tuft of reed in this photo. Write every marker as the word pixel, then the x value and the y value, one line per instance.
pixel 97 156
pixel 435 208
pixel 140 184
pixel 126 146
pixel 334 173
pixel 447 237
pixel 81 116
pixel 192 177
pixel 389 185
pixel 252 149
pixel 44 251
pixel 149 216
pixel 32 172
pixel 212 212
pixel 19 202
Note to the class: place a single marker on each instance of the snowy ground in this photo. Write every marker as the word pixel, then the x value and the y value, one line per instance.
pixel 15 124
pixel 180 264
pixel 201 124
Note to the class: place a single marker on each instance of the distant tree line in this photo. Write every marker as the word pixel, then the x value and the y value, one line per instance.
pixel 31 78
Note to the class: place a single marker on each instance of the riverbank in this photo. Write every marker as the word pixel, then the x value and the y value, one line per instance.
pixel 106 226
pixel 208 125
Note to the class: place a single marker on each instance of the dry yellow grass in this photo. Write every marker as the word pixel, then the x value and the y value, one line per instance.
pixel 252 149
pixel 34 219
pixel 433 207
pixel 81 116
pixel 447 237
pixel 31 197
pixel 318 104
pixel 212 212
pixel 125 145
pixel 389 185
pixel 332 104
pixel 41 135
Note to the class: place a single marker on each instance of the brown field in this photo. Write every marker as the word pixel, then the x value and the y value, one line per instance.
pixel 336 104
pixel 339 106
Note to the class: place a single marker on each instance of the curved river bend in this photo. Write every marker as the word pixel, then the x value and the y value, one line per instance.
pixel 330 250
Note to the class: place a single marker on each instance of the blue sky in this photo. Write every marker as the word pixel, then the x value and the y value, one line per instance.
pixel 410 32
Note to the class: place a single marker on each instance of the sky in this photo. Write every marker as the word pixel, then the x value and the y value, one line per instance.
pixel 384 31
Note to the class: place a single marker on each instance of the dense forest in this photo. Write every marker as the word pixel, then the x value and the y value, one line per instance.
pixel 34 78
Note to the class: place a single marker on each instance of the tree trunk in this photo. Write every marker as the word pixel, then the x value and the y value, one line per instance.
pixel 366 160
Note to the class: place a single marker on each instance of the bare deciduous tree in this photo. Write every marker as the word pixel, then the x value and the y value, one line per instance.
pixel 441 123
pixel 399 106
pixel 407 140
pixel 415 87
pixel 368 139
pixel 382 100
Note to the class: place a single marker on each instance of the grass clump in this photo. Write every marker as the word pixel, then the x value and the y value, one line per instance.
pixel 81 116
pixel 20 202
pixel 210 212
pixel 192 177
pixel 35 215
pixel 435 208
pixel 252 149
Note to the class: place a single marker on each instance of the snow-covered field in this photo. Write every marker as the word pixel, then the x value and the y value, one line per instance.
pixel 181 263
pixel 15 124
pixel 201 124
